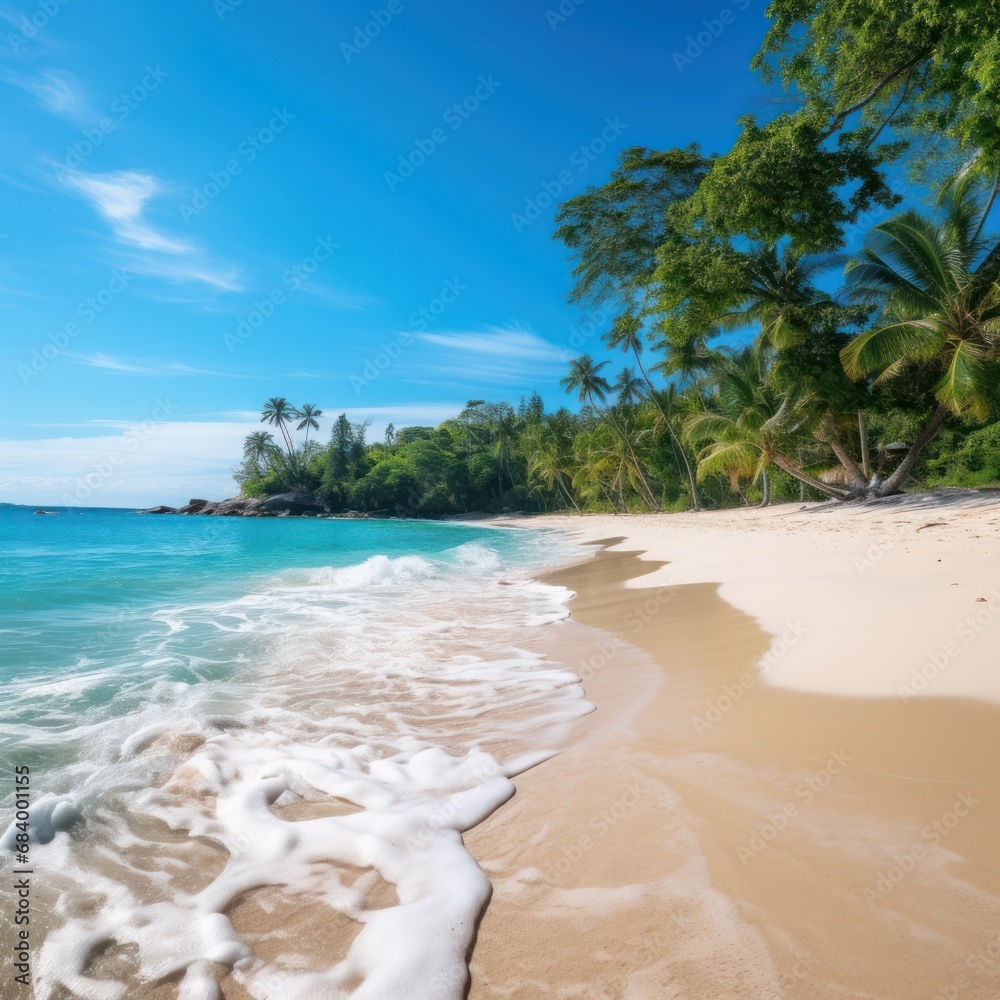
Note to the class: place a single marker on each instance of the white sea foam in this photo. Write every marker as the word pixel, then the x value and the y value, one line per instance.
pixel 393 697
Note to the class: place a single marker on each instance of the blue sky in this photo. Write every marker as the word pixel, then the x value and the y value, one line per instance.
pixel 211 202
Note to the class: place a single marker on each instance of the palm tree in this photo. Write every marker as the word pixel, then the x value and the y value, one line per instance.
pixel 599 473
pixel 940 310
pixel 505 431
pixel 780 296
pixel 628 387
pixel 258 448
pixel 757 425
pixel 592 387
pixel 548 448
pixel 308 417
pixel 278 413
pixel 624 335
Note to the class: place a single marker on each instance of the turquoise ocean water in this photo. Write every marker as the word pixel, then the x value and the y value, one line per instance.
pixel 172 670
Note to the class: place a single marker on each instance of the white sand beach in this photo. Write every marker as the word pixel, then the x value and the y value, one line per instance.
pixel 790 785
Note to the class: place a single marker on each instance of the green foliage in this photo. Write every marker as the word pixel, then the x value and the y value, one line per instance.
pixel 392 484
pixel 678 248
pixel 922 272
pixel 966 459
pixel 782 181
pixel 920 67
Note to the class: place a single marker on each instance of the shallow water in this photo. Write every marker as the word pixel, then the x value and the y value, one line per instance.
pixel 254 744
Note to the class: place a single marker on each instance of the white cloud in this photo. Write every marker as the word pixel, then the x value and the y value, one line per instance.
pixel 134 464
pixel 498 342
pixel 121 198
pixel 129 464
pixel 335 297
pixel 130 366
pixel 55 90
pixel 495 356
pixel 181 269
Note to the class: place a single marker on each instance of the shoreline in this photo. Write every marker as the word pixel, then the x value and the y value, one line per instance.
pixel 798 842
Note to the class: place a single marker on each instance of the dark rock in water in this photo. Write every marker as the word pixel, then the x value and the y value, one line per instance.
pixel 46 512
pixel 233 507
pixel 296 502
pixel 161 509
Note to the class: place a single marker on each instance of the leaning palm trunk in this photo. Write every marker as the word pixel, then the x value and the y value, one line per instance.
pixel 568 493
pixel 858 480
pixel 894 483
pixel 766 487
pixel 782 461
pixel 829 434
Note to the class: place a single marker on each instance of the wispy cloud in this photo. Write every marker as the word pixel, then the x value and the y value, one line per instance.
pixel 129 366
pixel 183 269
pixel 121 197
pixel 336 297
pixel 301 373
pixel 56 91
pixel 496 355
pixel 498 342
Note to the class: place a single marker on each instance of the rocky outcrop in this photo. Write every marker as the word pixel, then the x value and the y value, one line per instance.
pixel 300 502
pixel 193 506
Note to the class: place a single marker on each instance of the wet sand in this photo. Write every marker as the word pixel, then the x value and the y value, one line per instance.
pixel 709 834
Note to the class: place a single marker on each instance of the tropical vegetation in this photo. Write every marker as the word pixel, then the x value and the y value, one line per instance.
pixel 814 313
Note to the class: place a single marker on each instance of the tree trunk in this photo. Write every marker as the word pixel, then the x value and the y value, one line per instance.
pixel 567 492
pixel 766 484
pixel 894 483
pixel 859 481
pixel 673 435
pixel 782 461
pixel 866 467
